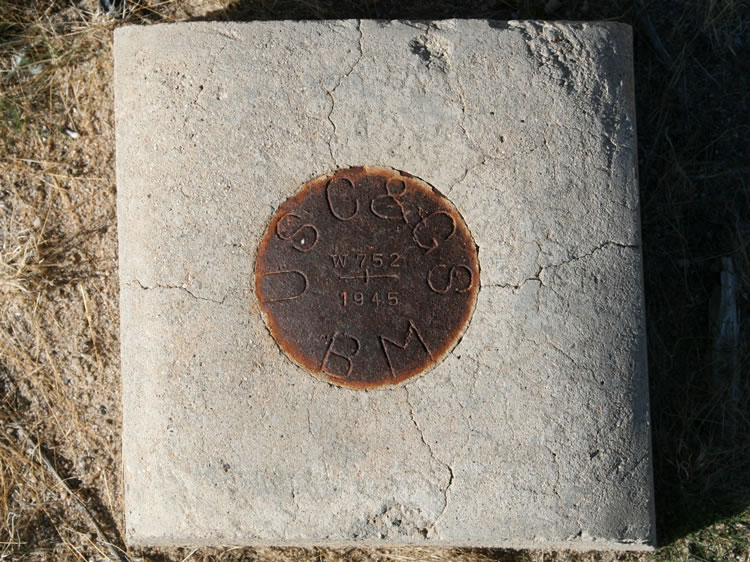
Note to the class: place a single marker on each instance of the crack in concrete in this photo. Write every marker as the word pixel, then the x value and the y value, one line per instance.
pixel 556 484
pixel 309 416
pixel 446 490
pixel 330 93
pixel 462 124
pixel 295 515
pixel 600 247
pixel 201 86
pixel 542 268
pixel 518 286
pixel 594 379
pixel 464 409
pixel 486 158
pixel 491 368
pixel 183 289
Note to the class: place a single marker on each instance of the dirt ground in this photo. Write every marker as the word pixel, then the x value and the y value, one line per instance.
pixel 60 472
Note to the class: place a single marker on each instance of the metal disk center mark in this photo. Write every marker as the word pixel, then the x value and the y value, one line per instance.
pixel 367 277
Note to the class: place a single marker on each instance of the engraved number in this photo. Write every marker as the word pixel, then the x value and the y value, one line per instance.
pixel 377 260
pixel 390 298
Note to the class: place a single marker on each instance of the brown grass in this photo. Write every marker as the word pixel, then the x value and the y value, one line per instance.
pixel 57 358
pixel 60 488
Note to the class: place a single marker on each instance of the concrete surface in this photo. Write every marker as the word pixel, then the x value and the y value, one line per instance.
pixel 535 429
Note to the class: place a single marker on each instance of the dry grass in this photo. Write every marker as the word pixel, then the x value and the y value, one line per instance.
pixel 60 495
pixel 692 110
pixel 58 360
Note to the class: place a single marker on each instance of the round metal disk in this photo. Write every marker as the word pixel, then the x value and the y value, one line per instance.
pixel 367 277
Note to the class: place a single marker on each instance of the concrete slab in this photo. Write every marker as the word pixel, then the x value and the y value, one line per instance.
pixel 534 430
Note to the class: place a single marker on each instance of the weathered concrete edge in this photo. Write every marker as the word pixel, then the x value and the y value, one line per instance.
pixel 117 77
pixel 629 86
pixel 509 24
pixel 561 546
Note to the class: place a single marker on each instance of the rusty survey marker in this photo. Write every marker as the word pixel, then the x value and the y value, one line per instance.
pixel 367 277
